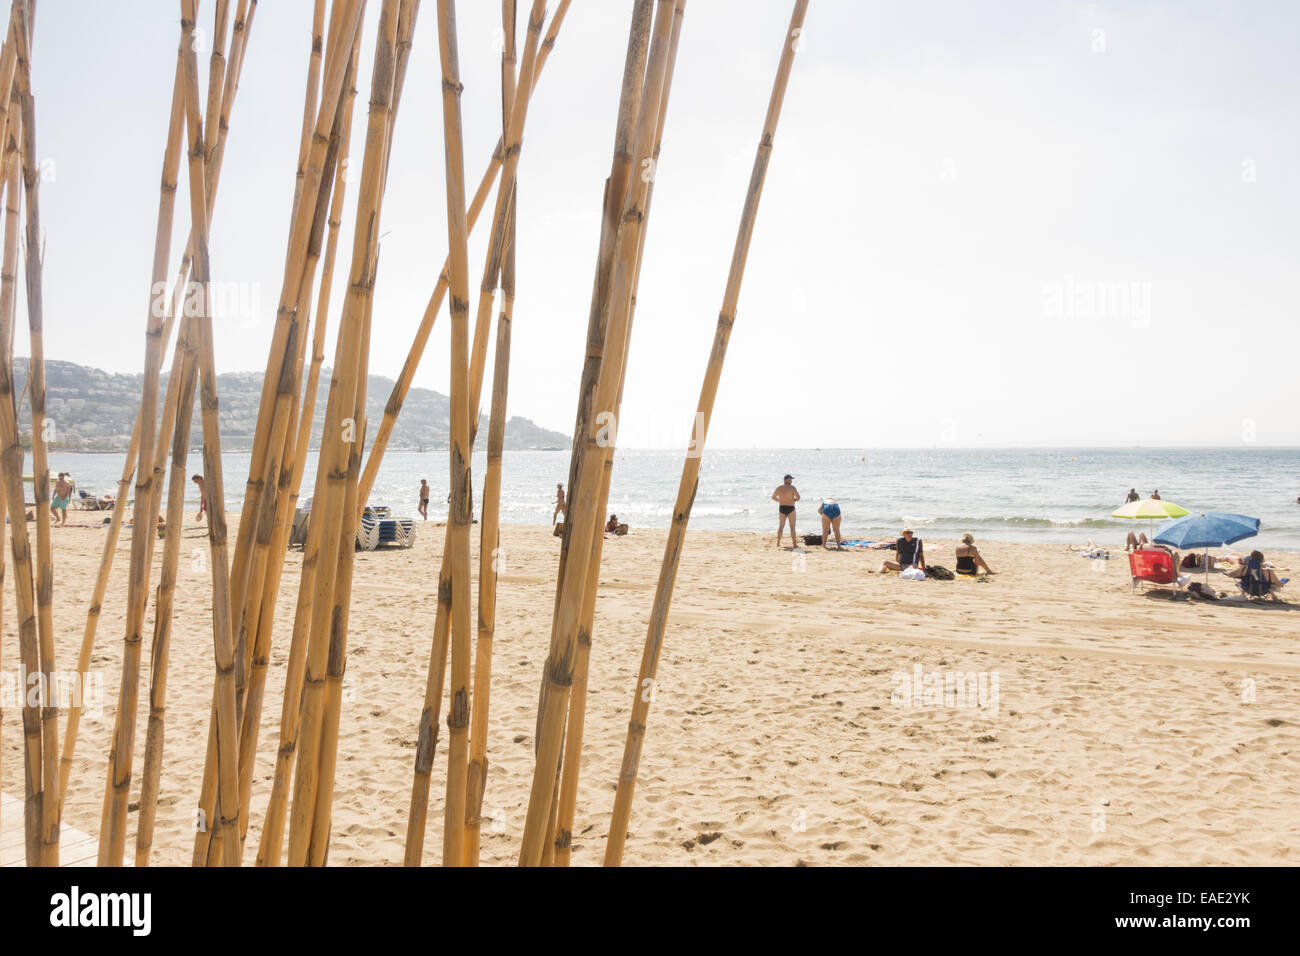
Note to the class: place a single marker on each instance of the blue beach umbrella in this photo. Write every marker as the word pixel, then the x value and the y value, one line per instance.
pixel 1212 529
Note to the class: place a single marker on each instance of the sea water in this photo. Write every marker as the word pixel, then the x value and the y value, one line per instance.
pixel 1058 495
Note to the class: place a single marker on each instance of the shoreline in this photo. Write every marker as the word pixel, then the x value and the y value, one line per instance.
pixel 232 518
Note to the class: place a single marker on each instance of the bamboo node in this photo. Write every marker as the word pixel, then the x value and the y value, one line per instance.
pixel 458 717
pixel 427 742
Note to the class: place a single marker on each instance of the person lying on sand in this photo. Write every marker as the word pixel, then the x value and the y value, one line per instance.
pixel 910 554
pixel 969 560
pixel 1090 550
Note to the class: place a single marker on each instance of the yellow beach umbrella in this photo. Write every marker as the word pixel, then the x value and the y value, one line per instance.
pixel 1151 509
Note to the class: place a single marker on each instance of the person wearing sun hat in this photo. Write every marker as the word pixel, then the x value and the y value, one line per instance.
pixel 910 553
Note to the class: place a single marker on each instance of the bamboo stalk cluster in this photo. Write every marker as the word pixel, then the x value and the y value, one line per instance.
pixel 246 578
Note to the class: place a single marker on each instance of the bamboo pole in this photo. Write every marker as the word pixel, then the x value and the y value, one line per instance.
pixel 19 540
pixel 227 821
pixel 297 456
pixel 459 516
pixel 25 595
pixel 429 722
pixel 243 23
pixel 280 382
pixel 462 510
pixel 207 798
pixel 318 849
pixel 338 436
pixel 183 374
pixel 612 206
pixel 9 180
pixel 336 661
pixel 574 729
pixel 558 671
pixel 254 579
pixel 407 375
pixel 489 540
pixel 269 846
pixel 50 807
pixel 177 414
pixel 691 466
pixel 274 524
pixel 113 824
pixel 615 189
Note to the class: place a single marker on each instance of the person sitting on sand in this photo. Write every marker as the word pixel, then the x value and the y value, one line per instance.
pixel 62 495
pixel 785 496
pixel 969 560
pixel 611 526
pixel 203 497
pixel 1254 575
pixel 559 504
pixel 830 512
pixel 910 553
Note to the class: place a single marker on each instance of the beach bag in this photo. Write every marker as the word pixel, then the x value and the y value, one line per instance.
pixel 939 573
pixel 912 574
pixel 811 539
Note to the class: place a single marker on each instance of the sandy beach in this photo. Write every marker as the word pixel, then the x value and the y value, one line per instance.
pixel 1101 728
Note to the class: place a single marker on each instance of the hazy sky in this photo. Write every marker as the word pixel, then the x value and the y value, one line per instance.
pixel 983 224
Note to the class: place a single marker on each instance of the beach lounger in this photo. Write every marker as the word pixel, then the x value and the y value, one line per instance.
pixel 374 531
pixel 1152 567
pixel 87 502
pixel 298 530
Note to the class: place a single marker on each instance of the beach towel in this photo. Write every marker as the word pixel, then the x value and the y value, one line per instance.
pixel 860 543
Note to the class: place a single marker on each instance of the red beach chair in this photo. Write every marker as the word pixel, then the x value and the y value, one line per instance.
pixel 1152 567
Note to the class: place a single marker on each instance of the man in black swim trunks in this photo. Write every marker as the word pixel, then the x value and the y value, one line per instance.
pixel 785 496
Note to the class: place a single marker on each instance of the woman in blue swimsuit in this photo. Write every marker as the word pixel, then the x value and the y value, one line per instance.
pixel 830 512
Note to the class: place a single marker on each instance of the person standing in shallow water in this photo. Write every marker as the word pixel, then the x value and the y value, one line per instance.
pixel 424 499
pixel 785 496
pixel 1132 496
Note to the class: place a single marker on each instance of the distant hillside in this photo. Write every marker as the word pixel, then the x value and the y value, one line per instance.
pixel 94 410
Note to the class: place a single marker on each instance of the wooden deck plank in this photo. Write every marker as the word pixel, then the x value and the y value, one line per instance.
pixel 76 847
